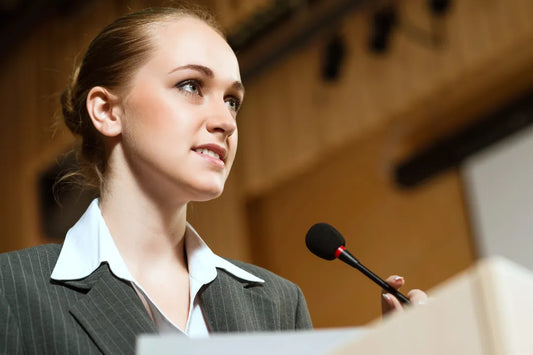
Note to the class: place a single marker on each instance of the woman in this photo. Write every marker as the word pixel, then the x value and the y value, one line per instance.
pixel 154 101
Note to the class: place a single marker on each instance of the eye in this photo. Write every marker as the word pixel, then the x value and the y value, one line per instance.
pixel 233 103
pixel 193 87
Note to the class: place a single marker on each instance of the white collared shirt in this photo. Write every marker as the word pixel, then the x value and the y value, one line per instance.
pixel 89 243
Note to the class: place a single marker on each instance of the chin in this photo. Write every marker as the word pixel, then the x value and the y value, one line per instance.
pixel 208 193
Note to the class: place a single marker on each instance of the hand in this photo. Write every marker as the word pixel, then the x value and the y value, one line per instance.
pixel 390 303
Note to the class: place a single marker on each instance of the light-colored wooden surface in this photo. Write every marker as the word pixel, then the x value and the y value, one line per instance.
pixel 505 291
pixel 484 310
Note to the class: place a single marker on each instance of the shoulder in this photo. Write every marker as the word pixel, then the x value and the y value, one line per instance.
pixel 273 282
pixel 258 271
pixel 37 259
pixel 26 273
pixel 37 252
pixel 284 294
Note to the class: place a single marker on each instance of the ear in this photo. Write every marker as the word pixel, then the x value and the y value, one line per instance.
pixel 104 110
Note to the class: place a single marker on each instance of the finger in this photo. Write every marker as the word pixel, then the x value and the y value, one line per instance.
pixel 395 281
pixel 390 303
pixel 417 296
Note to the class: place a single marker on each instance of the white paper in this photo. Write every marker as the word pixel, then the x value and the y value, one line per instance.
pixel 312 342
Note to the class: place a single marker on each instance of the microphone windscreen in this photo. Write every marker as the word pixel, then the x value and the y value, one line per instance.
pixel 323 240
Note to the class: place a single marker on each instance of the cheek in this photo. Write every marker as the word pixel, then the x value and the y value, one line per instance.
pixel 148 115
pixel 236 142
pixel 233 142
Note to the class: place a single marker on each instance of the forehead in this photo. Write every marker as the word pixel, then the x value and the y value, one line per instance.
pixel 191 41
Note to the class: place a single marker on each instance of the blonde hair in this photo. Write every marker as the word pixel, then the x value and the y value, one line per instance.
pixel 110 61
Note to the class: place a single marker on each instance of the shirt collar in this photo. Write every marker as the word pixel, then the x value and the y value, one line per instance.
pixel 89 243
pixel 203 262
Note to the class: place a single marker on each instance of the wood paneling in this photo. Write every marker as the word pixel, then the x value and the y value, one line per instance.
pixel 485 56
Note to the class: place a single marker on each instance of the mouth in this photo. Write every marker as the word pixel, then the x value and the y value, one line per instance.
pixel 212 151
pixel 207 152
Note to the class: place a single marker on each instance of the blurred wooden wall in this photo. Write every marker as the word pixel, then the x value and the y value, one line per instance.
pixel 309 150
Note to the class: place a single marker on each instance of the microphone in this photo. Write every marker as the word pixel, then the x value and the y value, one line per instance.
pixel 326 242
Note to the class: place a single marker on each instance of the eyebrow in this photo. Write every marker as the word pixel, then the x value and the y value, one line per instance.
pixel 237 85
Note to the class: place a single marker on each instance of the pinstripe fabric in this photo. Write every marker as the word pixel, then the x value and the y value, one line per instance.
pixel 231 305
pixel 98 314
pixel 102 314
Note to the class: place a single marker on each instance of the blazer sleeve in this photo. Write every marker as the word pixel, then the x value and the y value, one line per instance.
pixel 10 336
pixel 303 319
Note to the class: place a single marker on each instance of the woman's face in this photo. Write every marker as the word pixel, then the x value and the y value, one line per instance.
pixel 179 131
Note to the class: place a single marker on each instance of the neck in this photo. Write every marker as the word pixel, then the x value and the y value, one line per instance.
pixel 147 231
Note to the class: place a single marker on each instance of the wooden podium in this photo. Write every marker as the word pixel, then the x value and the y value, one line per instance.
pixel 487 310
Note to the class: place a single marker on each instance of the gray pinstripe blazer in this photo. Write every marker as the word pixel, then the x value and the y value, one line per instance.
pixel 102 314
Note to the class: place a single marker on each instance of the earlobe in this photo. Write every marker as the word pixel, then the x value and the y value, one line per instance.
pixel 102 107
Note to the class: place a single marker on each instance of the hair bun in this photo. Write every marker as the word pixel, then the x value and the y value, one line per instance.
pixel 71 113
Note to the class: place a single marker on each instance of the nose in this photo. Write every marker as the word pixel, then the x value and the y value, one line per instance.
pixel 221 120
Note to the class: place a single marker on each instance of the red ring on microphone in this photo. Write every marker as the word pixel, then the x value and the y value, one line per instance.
pixel 339 251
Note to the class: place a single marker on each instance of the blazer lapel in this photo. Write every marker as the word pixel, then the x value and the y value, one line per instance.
pixel 230 304
pixel 110 312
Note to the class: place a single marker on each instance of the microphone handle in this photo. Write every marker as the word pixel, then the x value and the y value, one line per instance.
pixel 349 259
